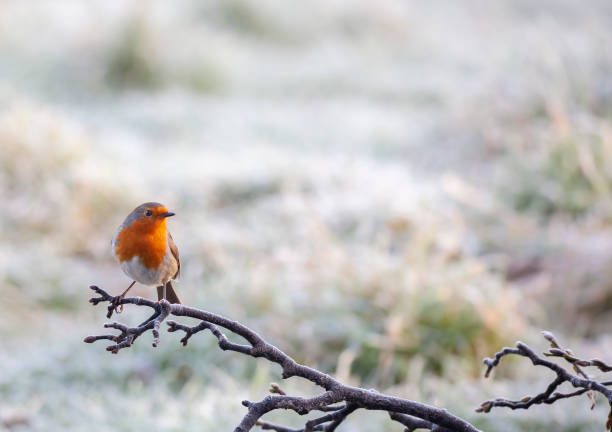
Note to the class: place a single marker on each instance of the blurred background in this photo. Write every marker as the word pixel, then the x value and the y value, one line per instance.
pixel 388 191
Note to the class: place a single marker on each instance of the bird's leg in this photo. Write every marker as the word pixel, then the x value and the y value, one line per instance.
pixel 161 292
pixel 119 308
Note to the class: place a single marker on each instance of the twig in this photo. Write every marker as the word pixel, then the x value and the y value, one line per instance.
pixel 338 400
pixel 414 423
pixel 579 380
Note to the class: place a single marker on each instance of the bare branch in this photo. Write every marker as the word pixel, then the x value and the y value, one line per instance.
pixel 278 428
pixel 337 400
pixel 579 380
pixel 414 423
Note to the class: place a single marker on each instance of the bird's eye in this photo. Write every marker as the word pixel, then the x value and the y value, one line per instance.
pixel 148 213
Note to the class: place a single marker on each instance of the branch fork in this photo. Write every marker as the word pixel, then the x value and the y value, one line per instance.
pixel 336 402
pixel 579 379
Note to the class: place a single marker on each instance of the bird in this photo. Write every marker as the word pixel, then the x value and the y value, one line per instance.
pixel 146 251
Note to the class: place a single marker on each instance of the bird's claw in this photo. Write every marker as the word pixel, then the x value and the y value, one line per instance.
pixel 117 305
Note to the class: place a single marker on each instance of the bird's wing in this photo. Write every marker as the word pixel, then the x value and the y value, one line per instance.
pixel 175 253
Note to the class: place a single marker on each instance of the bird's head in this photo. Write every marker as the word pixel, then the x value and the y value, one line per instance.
pixel 150 215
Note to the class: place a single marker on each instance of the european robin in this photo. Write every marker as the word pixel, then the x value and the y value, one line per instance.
pixel 145 249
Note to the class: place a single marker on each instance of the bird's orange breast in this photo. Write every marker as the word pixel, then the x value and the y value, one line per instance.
pixel 143 238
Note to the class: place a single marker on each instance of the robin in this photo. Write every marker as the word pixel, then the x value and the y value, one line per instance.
pixel 146 251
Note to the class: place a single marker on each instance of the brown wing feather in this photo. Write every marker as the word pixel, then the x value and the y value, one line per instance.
pixel 175 253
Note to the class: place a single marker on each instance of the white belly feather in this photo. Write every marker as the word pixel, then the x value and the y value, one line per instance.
pixel 141 274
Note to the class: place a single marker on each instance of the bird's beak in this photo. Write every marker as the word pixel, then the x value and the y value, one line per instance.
pixel 167 214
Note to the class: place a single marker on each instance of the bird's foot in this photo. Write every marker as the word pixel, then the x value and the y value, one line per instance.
pixel 116 303
pixel 162 301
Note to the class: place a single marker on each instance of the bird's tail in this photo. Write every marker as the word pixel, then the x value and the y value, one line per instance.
pixel 170 293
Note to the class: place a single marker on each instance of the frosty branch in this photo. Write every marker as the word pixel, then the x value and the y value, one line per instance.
pixel 579 379
pixel 336 402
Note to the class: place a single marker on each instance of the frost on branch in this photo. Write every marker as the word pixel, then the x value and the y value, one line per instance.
pixel 335 402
